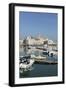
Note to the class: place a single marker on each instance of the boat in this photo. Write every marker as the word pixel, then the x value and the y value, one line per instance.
pixel 25 64
pixel 39 57
pixel 53 53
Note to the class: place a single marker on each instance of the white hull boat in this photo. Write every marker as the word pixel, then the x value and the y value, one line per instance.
pixel 38 57
pixel 25 66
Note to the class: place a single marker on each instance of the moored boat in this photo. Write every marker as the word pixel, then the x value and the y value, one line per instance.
pixel 39 57
pixel 25 63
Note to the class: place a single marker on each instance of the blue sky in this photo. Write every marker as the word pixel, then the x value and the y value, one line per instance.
pixel 33 23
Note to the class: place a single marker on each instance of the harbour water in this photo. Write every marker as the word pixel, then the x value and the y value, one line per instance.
pixel 40 70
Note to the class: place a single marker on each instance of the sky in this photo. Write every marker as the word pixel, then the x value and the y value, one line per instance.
pixel 33 23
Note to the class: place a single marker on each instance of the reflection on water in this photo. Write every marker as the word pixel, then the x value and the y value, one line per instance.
pixel 39 70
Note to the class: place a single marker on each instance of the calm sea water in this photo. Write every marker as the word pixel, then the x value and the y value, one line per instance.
pixel 41 70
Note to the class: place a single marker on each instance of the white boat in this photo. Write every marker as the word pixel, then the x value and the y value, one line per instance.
pixel 53 53
pixel 39 57
pixel 25 66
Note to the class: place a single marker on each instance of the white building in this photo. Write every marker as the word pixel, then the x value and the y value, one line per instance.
pixel 35 40
pixel 52 45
